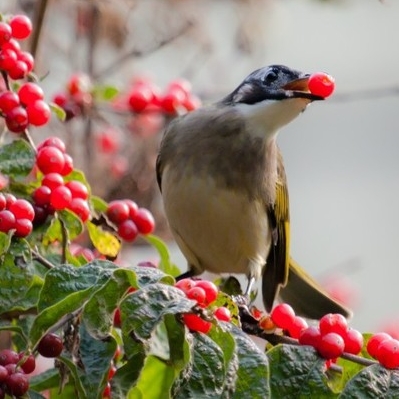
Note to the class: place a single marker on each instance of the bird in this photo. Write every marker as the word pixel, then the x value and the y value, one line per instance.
pixel 224 188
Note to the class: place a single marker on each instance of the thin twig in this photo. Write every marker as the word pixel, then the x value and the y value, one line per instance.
pixel 41 259
pixel 65 241
pixel 38 24
pixel 26 136
pixel 135 53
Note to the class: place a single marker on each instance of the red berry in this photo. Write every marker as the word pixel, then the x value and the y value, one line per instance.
pixel 41 195
pixel 353 341
pixel 191 103
pixel 333 322
pixel 18 71
pixel 21 26
pixel 298 325
pixel 3 374
pixel 50 159
pixel 127 230
pixel 197 294
pixel 133 208
pixel 79 83
pixel 27 58
pixel 8 356
pixel 388 353
pixel 29 365
pixel 108 141
pixel 41 214
pixel 223 314
pixel 375 341
pixel 173 100
pixel 17 119
pixel 7 222
pixel 68 165
pixel 117 211
pixel 8 59
pixel 30 92
pixel 81 208
pixel 112 371
pixel 310 336
pixel 321 84
pixel 52 180
pixel 23 227
pixel 117 318
pixel 12 44
pixel 3 202
pixel 17 384
pixel 50 345
pixel 211 290
pixel 283 316
pixel 11 368
pixel 140 97
pixel 5 33
pixel 181 84
pixel 144 221
pixel 185 284
pixel 60 198
pixel 10 199
pixel 60 99
pixel 8 101
pixel 78 189
pixel 107 391
pixel 195 323
pixel 39 112
pixel 22 209
pixel 331 345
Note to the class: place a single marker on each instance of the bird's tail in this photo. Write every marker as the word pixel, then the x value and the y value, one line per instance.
pixel 307 297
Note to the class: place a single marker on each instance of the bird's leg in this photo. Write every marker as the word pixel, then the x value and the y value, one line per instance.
pixel 188 274
pixel 251 281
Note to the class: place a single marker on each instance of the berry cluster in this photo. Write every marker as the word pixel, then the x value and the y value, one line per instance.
pixel 77 97
pixel 55 194
pixel 145 96
pixel 321 84
pixel 129 219
pixel 13 370
pixel 384 349
pixel 16 214
pixel 204 293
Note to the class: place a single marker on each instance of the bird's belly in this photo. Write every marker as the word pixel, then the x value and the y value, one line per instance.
pixel 217 229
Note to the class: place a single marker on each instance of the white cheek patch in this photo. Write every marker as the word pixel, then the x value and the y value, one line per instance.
pixel 242 92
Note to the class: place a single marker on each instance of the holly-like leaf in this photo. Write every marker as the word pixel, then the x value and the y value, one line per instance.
pixel 17 158
pixel 105 242
pixel 297 372
pixel 372 382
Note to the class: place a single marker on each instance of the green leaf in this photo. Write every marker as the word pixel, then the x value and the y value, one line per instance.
pixel 5 241
pixel 105 242
pixel 17 158
pixel 227 301
pixel 77 377
pixel 47 380
pixel 96 357
pixel 99 310
pixel 297 372
pixel 150 275
pixel 105 92
pixel 58 111
pixel 165 263
pixel 373 382
pixel 98 204
pixel 65 221
pixel 205 377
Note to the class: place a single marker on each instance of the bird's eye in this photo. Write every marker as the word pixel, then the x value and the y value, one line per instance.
pixel 270 77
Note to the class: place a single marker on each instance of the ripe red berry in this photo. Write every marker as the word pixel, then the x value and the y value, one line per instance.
pixel 8 356
pixel 68 165
pixel 140 97
pixel 17 384
pixel 21 26
pixel 41 195
pixel 223 314
pixel 22 209
pixel 333 322
pixel 8 59
pixel 197 294
pixel 117 318
pixel 321 84
pixel 78 189
pixel 53 141
pixel 388 353
pixel 39 113
pixel 375 341
pixel 107 391
pixel 185 284
pixel 18 71
pixel 52 180
pixel 7 222
pixel 3 374
pixel 50 159
pixel 127 230
pixel 108 141
pixel 50 345
pixel 17 119
pixel 30 92
pixel 144 221
pixel 79 83
pixel 310 336
pixel 112 371
pixel 5 33
pixel 8 101
pixel 3 202
pixel 10 199
pixel 210 289
pixel 133 208
pixel 298 325
pixel 23 227
pixel 353 341
pixel 12 44
pixel 117 211
pixel 195 323
pixel 60 198
pixel 265 322
pixel 27 58
pixel 29 365
pixel 172 101
pixel 331 345
pixel 283 316
pixel 81 208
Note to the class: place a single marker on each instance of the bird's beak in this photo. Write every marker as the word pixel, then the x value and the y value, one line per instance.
pixel 298 88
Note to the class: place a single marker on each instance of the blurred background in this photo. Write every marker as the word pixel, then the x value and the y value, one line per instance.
pixel 341 156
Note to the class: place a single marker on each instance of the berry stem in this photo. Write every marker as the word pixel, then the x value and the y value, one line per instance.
pixel 65 241
pixel 358 359
pixel 26 136
pixel 37 256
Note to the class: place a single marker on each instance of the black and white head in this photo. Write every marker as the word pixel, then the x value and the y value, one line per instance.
pixel 271 97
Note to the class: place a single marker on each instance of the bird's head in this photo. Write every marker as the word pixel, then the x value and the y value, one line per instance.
pixel 271 97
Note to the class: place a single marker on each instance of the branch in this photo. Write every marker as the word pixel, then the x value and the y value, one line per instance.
pixel 64 233
pixel 37 256
pixel 135 53
pixel 38 24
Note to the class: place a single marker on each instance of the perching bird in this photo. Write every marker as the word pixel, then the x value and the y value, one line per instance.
pixel 224 188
